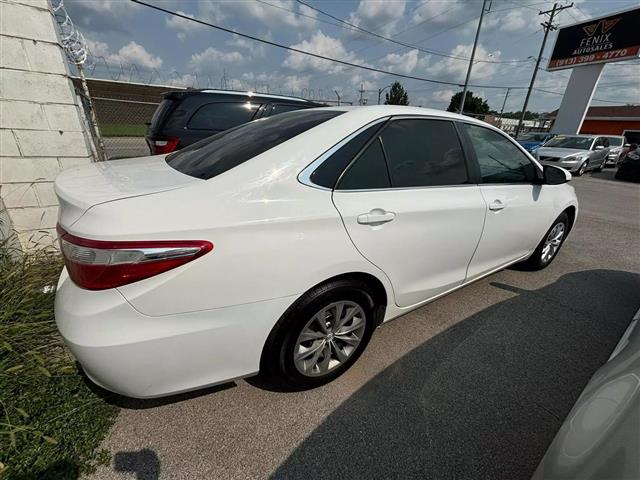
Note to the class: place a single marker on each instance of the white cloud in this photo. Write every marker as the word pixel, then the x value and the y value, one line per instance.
pixel 439 11
pixel 274 15
pixel 273 82
pixel 210 59
pixel 256 49
pixel 455 69
pixel 183 26
pixel 443 96
pixel 323 45
pixel 377 15
pixel 400 63
pixel 135 53
pixel 98 49
pixel 517 20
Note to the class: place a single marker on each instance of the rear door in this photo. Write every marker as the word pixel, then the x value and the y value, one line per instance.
pixel 520 209
pixel 411 208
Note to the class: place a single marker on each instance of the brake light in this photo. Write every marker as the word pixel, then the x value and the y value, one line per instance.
pixel 98 265
pixel 164 145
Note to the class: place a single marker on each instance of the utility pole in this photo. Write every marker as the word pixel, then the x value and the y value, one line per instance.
pixel 473 54
pixel 361 101
pixel 506 95
pixel 337 95
pixel 548 26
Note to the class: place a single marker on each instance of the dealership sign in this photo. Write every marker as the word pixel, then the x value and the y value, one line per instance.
pixel 606 39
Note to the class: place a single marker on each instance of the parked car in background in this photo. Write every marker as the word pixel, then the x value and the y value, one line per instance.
pixel 280 245
pixel 629 168
pixel 617 145
pixel 576 153
pixel 600 439
pixel 187 116
pixel 531 141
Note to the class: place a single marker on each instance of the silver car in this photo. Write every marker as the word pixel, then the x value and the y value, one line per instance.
pixel 576 153
pixel 601 436
pixel 617 144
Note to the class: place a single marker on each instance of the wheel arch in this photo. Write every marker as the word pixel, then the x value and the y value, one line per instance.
pixel 571 213
pixel 377 290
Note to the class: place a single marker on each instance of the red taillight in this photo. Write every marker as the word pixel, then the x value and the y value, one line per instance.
pixel 98 265
pixel 164 145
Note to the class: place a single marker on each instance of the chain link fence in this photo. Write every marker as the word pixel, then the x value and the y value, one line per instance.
pixel 123 124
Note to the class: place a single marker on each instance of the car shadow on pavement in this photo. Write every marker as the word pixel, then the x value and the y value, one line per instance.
pixel 143 463
pixel 607 174
pixel 482 399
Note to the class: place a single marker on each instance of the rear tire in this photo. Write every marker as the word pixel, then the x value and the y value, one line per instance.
pixel 549 246
pixel 314 342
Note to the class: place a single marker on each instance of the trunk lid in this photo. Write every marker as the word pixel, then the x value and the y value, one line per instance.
pixel 80 188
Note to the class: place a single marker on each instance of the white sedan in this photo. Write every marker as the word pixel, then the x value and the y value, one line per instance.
pixel 277 247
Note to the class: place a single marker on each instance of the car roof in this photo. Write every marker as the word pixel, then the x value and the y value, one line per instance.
pixel 373 112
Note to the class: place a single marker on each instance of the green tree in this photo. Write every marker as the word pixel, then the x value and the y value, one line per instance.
pixel 396 95
pixel 472 104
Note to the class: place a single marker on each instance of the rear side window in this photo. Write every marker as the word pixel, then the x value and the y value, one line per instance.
pixel 161 112
pixel 424 153
pixel 326 175
pixel 500 160
pixel 217 154
pixel 368 171
pixel 222 116
pixel 616 141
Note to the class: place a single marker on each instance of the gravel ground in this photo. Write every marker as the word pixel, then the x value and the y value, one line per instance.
pixel 473 385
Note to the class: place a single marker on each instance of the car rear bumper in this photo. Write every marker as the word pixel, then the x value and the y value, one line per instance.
pixel 140 356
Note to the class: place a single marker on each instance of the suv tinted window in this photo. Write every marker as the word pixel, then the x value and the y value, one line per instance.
pixel 219 153
pixel 221 116
pixel 500 160
pixel 280 108
pixel 424 153
pixel 368 171
pixel 326 175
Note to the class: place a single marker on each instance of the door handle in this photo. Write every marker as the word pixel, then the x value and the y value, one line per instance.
pixel 496 205
pixel 376 217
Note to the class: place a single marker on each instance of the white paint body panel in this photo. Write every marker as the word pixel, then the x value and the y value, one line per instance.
pixel 274 238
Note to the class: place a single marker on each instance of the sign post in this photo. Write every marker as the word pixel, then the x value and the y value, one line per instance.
pixel 586 47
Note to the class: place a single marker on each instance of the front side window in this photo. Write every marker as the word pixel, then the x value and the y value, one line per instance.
pixel 217 154
pixel 422 153
pixel 500 160
pixel 222 116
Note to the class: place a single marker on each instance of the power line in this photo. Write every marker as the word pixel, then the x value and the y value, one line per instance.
pixel 311 54
pixel 353 27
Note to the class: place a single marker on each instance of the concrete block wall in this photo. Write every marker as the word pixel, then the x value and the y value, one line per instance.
pixel 41 124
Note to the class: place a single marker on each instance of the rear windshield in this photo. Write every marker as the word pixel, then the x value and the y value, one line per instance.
pixel 577 143
pixel 219 153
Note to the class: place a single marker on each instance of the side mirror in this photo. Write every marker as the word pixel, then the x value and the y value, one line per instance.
pixel 599 147
pixel 627 145
pixel 555 175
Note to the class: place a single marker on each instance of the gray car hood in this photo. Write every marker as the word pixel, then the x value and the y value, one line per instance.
pixel 560 152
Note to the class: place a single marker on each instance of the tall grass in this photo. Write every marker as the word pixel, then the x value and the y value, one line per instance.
pixel 51 422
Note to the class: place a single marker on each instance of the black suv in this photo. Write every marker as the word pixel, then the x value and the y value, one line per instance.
pixel 184 117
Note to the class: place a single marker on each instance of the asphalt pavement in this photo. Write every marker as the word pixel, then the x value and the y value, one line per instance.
pixel 474 385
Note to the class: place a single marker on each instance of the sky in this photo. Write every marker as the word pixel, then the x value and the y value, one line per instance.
pixel 132 42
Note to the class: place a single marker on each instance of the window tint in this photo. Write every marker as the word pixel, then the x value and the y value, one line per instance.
pixel 221 116
pixel 280 108
pixel 327 174
pixel 424 153
pixel 368 171
pixel 616 141
pixel 500 160
pixel 219 153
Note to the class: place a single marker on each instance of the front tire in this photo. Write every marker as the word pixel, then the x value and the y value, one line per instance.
pixel 549 246
pixel 320 336
pixel 582 169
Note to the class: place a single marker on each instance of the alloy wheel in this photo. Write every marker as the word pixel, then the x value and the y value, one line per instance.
pixel 329 338
pixel 552 242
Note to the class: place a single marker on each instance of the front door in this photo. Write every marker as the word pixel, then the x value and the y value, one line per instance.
pixel 408 207
pixel 519 208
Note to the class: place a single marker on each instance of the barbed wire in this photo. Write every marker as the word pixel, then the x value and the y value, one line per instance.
pixel 73 42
